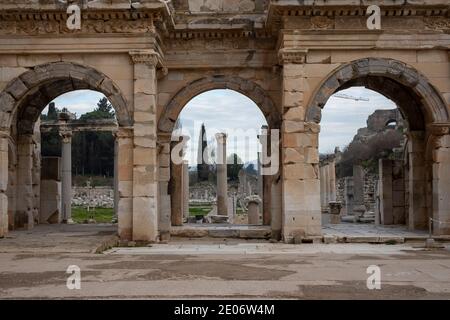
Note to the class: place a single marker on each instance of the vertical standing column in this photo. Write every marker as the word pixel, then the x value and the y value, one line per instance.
pixel 300 181
pixel 3 184
pixel 441 180
pixel 332 168
pixel 165 208
pixel 177 188
pixel 327 186
pixel 417 181
pixel 66 176
pixel 116 178
pixel 222 186
pixel 24 215
pixel 145 162
pixel 385 189
pixel 322 186
pixel 124 174
pixel 185 189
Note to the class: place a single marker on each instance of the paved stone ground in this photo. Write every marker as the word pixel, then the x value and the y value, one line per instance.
pixel 33 265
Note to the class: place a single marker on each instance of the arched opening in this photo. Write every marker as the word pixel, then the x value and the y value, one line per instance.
pixel 44 183
pixel 233 192
pixel 421 107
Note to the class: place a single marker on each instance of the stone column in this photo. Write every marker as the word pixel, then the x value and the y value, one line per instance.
pixel 124 173
pixel 441 179
pixel 24 215
pixel 276 207
pixel 145 162
pixel 332 168
pixel 165 208
pixel 266 179
pixel 385 190
pixel 3 184
pixel 185 189
pixel 358 190
pixel 417 181
pixel 66 175
pixel 116 178
pixel 322 187
pixel 300 155
pixel 176 184
pixel 326 170
pixel 222 183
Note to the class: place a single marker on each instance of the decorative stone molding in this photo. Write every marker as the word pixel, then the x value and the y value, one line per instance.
pixel 292 56
pixel 437 23
pixel 322 23
pixel 438 129
pixel 148 57
pixel 123 133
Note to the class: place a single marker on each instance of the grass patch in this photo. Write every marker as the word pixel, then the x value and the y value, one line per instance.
pixel 100 215
pixel 193 211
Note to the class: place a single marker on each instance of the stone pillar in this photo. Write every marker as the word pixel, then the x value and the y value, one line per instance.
pixel 417 181
pixel 3 184
pixel 253 212
pixel 322 187
pixel 326 170
pixel 124 173
pixel 222 183
pixel 266 179
pixel 24 215
pixel 332 174
pixel 276 207
pixel 300 155
pixel 385 191
pixel 185 189
pixel 66 175
pixel 145 162
pixel 165 208
pixel 176 184
pixel 116 178
pixel 441 180
pixel 358 191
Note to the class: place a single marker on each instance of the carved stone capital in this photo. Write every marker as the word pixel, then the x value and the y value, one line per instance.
pixel 292 56
pixel 148 57
pixel 66 135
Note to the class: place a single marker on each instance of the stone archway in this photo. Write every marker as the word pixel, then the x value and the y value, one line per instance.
pixel 27 95
pixel 166 124
pixel 392 78
pixel 248 88
pixel 23 100
pixel 426 114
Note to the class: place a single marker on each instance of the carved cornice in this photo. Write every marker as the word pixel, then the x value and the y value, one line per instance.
pixel 292 56
pixel 32 23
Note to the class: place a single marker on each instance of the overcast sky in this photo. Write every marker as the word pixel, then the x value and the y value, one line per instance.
pixel 233 113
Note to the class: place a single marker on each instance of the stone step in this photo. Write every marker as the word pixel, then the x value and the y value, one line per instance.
pixel 228 231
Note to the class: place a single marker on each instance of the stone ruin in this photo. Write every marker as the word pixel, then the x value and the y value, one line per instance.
pixel 364 196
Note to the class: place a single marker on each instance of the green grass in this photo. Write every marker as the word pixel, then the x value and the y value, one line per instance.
pixel 100 215
pixel 193 211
